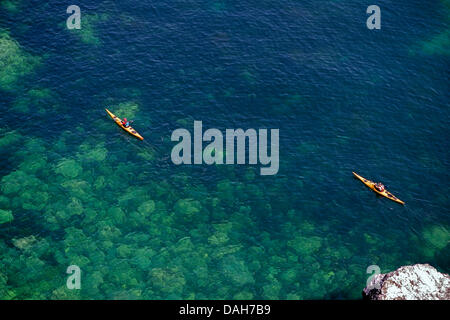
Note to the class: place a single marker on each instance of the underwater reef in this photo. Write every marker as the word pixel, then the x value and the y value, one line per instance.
pixel 15 62
pixel 147 237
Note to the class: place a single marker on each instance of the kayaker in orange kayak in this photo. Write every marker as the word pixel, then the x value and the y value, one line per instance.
pixel 125 123
pixel 379 188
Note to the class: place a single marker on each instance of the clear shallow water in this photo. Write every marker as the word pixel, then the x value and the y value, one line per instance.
pixel 344 98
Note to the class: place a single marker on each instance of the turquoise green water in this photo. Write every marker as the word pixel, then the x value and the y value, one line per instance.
pixel 77 190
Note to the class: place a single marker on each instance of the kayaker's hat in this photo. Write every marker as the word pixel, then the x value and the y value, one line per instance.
pixel 124 119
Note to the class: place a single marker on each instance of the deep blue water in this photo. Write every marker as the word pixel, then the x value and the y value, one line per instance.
pixel 344 98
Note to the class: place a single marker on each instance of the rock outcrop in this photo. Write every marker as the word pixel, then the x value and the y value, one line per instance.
pixel 416 282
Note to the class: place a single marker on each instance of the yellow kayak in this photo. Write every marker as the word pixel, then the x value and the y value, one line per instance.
pixel 129 129
pixel 385 193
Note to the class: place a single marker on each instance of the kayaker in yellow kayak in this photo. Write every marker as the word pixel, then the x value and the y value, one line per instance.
pixel 125 123
pixel 379 186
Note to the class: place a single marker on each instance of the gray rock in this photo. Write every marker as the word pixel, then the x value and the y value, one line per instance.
pixel 416 282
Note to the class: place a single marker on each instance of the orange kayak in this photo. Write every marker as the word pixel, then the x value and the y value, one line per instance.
pixel 129 129
pixel 385 193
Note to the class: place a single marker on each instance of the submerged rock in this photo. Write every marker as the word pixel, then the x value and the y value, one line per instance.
pixel 436 237
pixel 68 168
pixel 6 216
pixel 14 62
pixel 416 282
pixel 24 243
